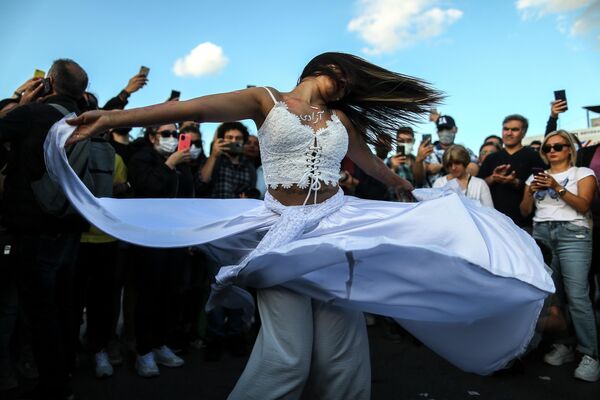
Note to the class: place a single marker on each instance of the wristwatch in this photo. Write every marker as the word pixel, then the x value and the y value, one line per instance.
pixel 562 191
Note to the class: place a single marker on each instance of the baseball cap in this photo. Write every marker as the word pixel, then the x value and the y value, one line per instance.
pixel 445 122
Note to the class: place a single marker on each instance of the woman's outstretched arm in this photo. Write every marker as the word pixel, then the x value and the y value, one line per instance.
pixel 232 106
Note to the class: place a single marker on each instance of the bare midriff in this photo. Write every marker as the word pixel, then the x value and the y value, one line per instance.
pixel 296 196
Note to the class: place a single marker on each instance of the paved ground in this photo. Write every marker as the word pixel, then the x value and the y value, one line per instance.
pixel 402 369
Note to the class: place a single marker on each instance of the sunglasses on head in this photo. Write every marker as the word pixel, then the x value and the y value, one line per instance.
pixel 557 146
pixel 167 134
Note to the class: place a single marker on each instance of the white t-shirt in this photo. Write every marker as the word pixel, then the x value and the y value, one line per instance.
pixel 549 209
pixel 477 189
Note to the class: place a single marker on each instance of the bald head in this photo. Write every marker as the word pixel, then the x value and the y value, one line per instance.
pixel 68 78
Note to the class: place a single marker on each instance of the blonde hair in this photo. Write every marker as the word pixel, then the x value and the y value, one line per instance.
pixel 571 143
pixel 456 153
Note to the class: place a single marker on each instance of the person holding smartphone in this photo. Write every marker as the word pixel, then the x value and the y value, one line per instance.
pixel 227 169
pixel 158 171
pixel 560 199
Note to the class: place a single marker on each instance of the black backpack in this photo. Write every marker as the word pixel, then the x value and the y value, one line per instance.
pixel 93 160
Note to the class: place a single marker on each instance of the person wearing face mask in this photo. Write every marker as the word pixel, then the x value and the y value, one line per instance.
pixel 158 171
pixel 434 165
pixel 403 163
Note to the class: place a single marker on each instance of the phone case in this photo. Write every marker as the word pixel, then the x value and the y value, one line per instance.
pixel 185 142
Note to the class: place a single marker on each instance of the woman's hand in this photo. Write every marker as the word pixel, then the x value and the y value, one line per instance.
pixel 88 124
pixel 545 181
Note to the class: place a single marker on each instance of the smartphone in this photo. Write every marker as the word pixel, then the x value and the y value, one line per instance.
pixel 185 142
pixel 38 73
pixel 234 148
pixel 426 136
pixel 144 71
pixel 561 95
pixel 47 87
pixel 175 94
pixel 401 149
pixel 537 170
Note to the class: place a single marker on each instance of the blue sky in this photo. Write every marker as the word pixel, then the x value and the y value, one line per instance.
pixel 491 58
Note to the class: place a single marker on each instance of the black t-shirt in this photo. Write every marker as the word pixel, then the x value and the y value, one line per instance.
pixel 507 197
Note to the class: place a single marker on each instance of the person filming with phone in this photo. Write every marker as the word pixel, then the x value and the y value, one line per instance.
pixel 227 169
pixel 560 199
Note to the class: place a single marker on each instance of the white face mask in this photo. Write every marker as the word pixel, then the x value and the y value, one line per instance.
pixel 446 136
pixel 195 151
pixel 167 145
pixel 408 148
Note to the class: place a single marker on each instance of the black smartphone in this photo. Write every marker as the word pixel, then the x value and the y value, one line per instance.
pixel 401 149
pixel 47 87
pixel 175 94
pixel 537 170
pixel 234 148
pixel 561 95
pixel 427 136
pixel 144 71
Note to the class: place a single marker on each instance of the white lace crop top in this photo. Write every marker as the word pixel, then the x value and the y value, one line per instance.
pixel 294 153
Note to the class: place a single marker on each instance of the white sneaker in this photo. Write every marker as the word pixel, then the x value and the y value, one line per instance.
pixel 165 356
pixel 588 369
pixel 560 355
pixel 145 366
pixel 103 367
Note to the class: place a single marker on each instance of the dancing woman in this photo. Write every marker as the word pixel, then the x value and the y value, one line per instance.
pixel 319 258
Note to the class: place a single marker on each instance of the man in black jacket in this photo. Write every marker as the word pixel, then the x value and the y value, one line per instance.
pixel 45 245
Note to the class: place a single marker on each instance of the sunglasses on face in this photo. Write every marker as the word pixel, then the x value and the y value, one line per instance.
pixel 197 143
pixel 557 147
pixel 168 133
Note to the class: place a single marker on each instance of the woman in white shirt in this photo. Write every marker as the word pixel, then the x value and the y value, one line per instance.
pixel 455 159
pixel 562 197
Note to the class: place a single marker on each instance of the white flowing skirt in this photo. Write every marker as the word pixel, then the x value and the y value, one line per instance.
pixel 459 276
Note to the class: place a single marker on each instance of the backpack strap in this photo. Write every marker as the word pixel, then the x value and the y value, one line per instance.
pixel 60 109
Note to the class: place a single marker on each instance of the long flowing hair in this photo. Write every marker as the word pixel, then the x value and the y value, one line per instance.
pixel 376 100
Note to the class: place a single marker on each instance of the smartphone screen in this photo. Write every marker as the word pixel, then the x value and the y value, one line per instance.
pixel 38 73
pixel 185 141
pixel 401 149
pixel 427 136
pixel 144 71
pixel 561 95
pixel 175 94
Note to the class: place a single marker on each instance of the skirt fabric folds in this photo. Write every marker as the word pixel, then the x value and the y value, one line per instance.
pixel 459 276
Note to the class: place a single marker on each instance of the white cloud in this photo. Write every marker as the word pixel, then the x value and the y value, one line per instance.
pixel 585 14
pixel 205 59
pixel 539 8
pixel 387 25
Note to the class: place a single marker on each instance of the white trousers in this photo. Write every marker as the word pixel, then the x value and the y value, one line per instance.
pixel 301 338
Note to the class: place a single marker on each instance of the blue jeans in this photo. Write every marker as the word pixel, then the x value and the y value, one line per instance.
pixel 571 259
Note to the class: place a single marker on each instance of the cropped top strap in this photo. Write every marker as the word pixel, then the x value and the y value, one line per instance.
pixel 270 94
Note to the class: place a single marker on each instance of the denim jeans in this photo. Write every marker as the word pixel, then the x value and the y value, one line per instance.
pixel 571 259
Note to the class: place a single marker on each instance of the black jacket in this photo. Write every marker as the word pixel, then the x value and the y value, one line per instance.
pixel 150 177
pixel 25 128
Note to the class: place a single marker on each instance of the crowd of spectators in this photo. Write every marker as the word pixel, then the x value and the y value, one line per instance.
pixel 58 273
